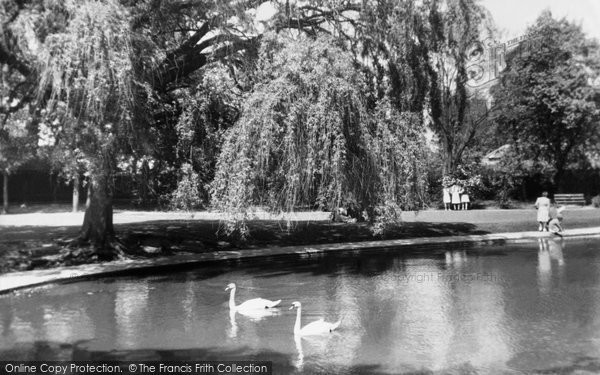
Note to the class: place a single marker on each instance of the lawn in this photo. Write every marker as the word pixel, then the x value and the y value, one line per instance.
pixel 32 238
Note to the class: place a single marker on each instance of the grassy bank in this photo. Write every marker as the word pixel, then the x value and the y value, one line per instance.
pixel 33 239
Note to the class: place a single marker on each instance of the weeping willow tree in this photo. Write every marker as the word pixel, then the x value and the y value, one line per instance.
pixel 86 71
pixel 309 135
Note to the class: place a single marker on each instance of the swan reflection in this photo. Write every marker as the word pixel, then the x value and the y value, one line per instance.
pixel 299 363
pixel 233 330
pixel 252 315
pixel 317 345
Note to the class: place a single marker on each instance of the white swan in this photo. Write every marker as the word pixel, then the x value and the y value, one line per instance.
pixel 251 304
pixel 318 327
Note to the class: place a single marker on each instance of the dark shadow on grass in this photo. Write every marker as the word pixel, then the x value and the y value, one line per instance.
pixel 23 248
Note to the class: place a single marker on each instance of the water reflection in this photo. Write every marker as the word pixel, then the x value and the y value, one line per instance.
pixel 299 361
pixel 400 313
pixel 420 327
pixel 455 258
pixel 549 249
pixel 131 301
pixel 250 315
pixel 233 330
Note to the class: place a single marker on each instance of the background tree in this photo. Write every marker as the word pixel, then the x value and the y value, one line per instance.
pixel 458 115
pixel 17 90
pixel 17 145
pixel 545 104
pixel 87 69
pixel 60 144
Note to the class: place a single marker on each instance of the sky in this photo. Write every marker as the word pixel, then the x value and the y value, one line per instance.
pixel 513 16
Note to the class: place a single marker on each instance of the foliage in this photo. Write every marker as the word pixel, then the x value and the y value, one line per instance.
pixel 17 79
pixel 458 116
pixel 17 140
pixel 503 180
pixel 545 104
pixel 305 137
pixel 208 110
pixel 87 70
pixel 187 194
pixel 469 183
pixel 393 42
pixel 60 144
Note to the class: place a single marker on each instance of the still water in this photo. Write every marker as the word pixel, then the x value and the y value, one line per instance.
pixel 518 308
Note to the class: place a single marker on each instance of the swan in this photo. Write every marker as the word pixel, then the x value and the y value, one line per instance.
pixel 251 304
pixel 318 327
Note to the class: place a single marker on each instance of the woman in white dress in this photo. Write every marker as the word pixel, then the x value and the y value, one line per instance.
pixel 543 211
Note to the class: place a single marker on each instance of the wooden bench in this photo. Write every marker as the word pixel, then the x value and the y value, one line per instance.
pixel 569 199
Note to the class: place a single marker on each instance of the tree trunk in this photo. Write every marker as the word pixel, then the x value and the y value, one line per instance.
pixel 558 177
pixel 143 183
pixel 76 192
pixel 97 225
pixel 88 194
pixel 54 181
pixel 448 165
pixel 5 192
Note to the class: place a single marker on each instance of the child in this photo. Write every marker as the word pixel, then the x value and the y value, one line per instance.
pixel 456 190
pixel 446 198
pixel 464 200
pixel 555 224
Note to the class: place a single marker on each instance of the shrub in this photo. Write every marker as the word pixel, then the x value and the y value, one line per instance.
pixel 187 194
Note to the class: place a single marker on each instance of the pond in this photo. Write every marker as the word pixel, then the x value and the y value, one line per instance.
pixel 512 308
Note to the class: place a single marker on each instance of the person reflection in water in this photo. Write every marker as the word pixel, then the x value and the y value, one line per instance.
pixel 553 248
pixel 549 249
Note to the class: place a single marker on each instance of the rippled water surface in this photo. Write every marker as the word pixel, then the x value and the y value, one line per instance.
pixel 492 309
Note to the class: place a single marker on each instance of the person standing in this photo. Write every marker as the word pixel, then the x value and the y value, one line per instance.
pixel 465 200
pixel 543 211
pixel 455 190
pixel 446 198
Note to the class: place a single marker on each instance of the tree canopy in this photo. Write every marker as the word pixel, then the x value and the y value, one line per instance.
pixel 546 104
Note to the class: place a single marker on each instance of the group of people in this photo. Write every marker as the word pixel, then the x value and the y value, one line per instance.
pixel 549 217
pixel 456 198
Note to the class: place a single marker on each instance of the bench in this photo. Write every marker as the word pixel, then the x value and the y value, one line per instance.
pixel 569 199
